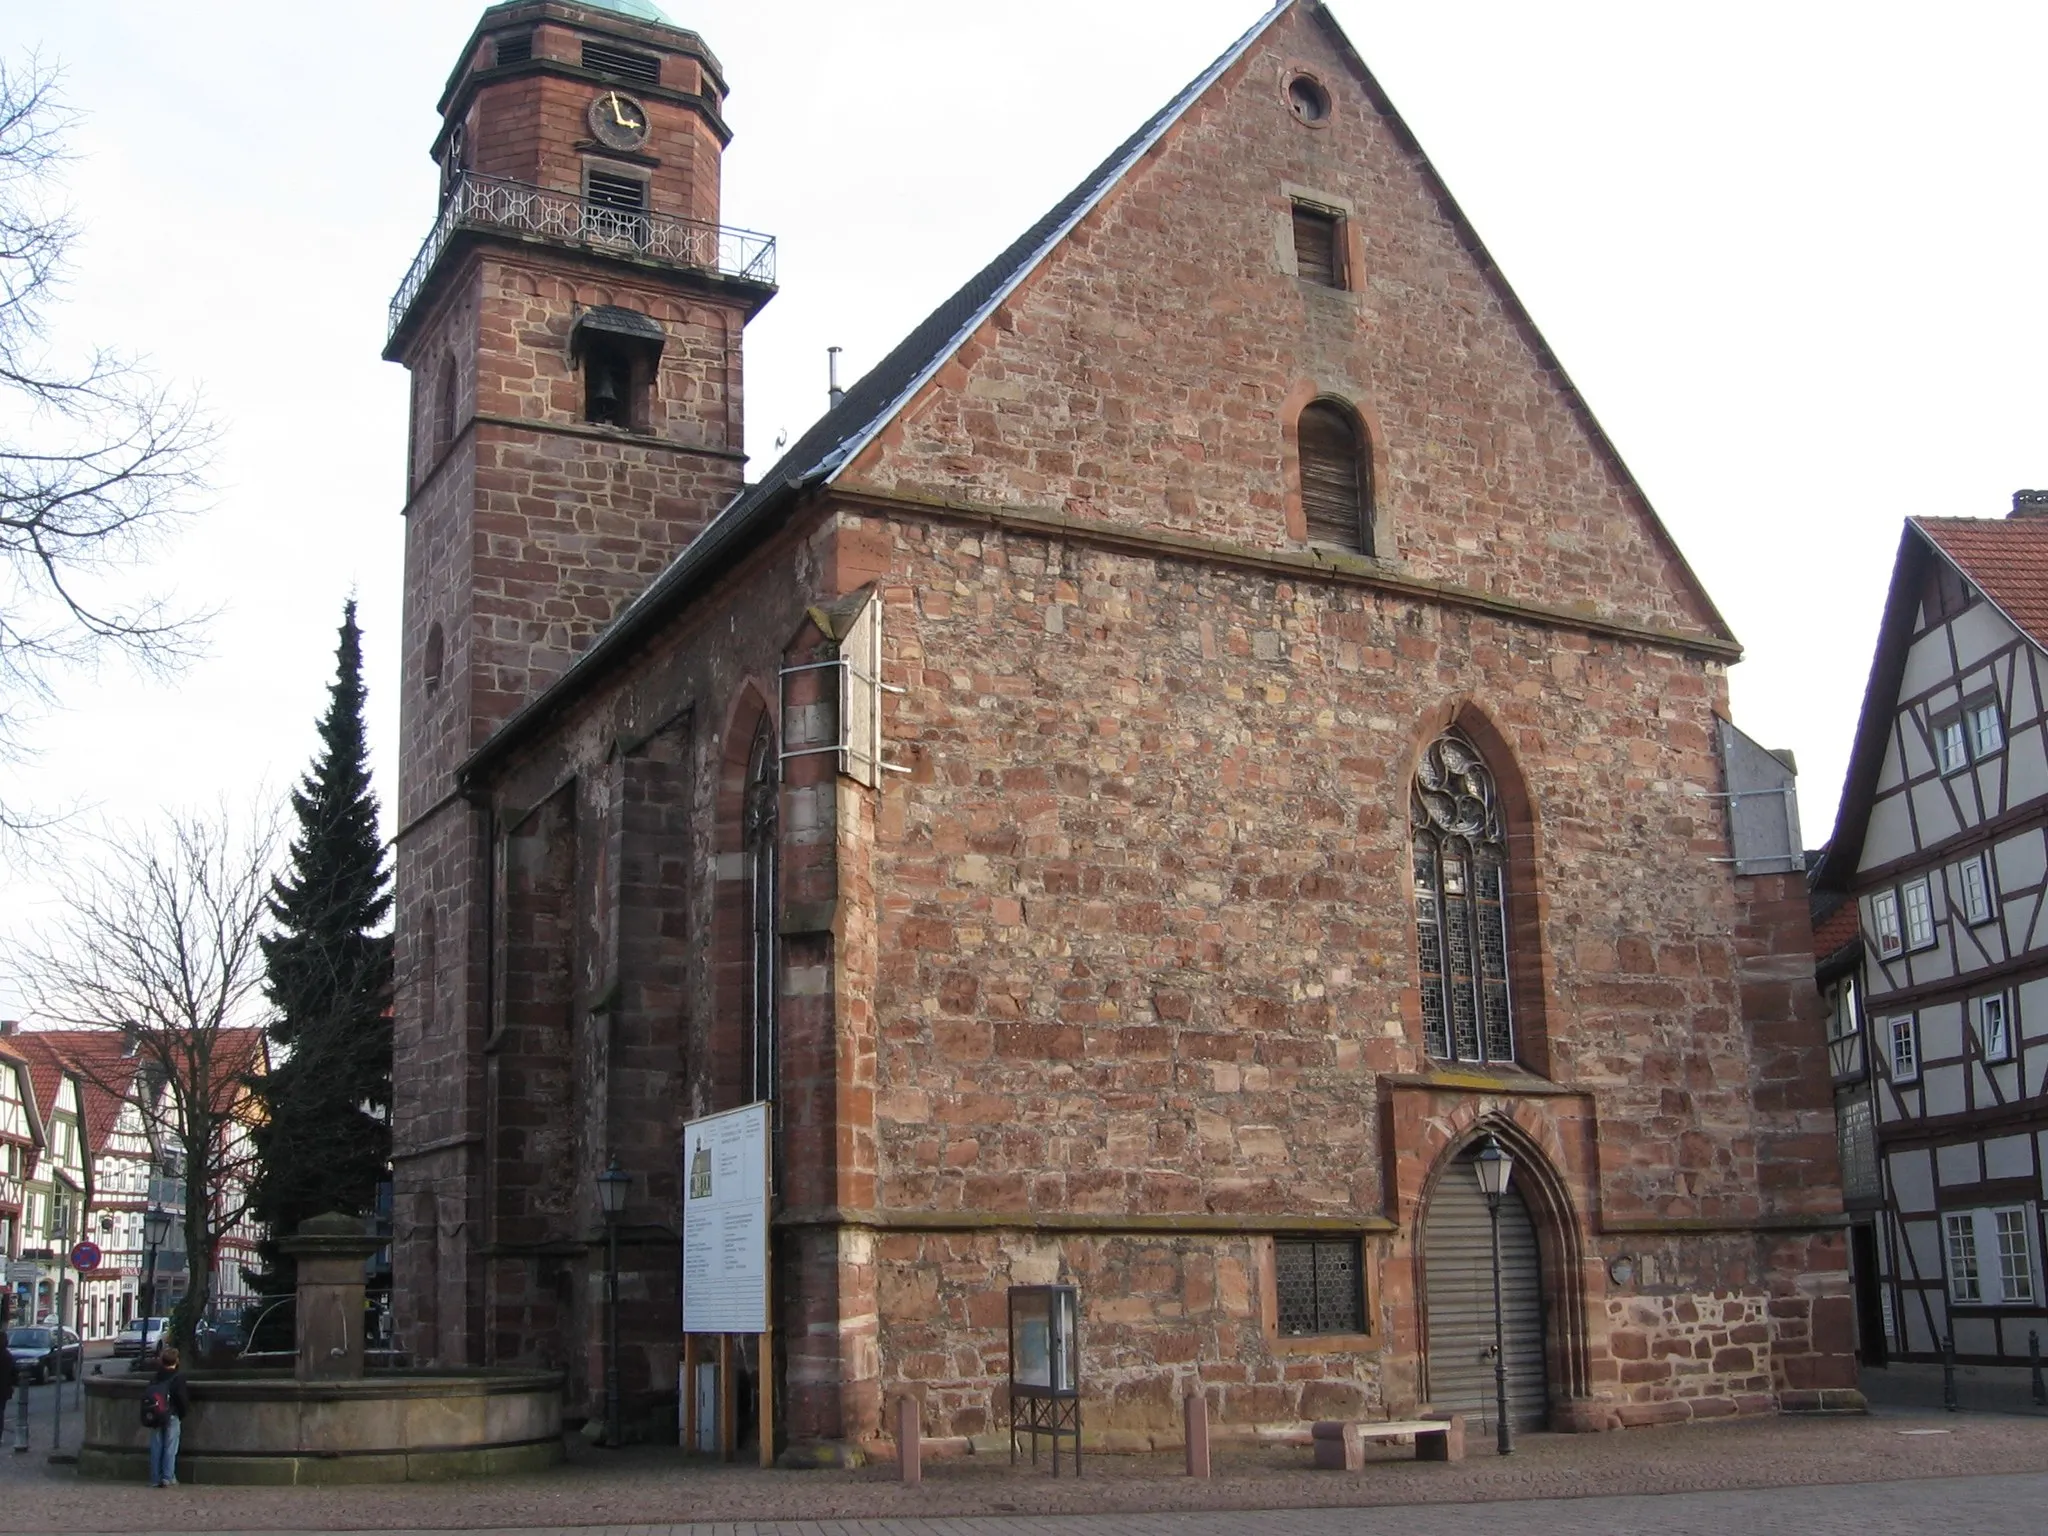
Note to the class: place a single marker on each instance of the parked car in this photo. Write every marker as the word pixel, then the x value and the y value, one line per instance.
pixel 140 1336
pixel 41 1353
pixel 219 1341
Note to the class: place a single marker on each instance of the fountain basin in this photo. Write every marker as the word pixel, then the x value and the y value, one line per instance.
pixel 385 1427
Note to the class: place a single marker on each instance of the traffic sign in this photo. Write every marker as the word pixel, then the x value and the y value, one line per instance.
pixel 86 1256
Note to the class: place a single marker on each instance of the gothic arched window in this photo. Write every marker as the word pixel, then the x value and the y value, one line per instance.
pixel 1461 905
pixel 1336 477
pixel 763 871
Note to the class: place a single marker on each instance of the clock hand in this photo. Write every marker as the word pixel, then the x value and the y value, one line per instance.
pixel 618 116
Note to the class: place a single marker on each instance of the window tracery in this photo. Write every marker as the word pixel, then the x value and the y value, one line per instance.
pixel 1460 849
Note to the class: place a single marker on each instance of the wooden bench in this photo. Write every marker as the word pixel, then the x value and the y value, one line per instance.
pixel 1340 1443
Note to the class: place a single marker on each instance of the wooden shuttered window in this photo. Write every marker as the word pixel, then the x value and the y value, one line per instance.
pixel 1318 247
pixel 1335 479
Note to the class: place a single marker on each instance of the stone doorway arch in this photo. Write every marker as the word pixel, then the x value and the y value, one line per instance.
pixel 1542 1293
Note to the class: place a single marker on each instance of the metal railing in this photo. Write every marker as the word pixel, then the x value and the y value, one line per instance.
pixel 517 208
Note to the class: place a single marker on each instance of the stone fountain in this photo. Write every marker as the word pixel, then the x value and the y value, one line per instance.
pixel 328 1419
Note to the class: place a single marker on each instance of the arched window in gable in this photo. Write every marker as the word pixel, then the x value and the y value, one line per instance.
pixel 1336 477
pixel 763 879
pixel 1461 926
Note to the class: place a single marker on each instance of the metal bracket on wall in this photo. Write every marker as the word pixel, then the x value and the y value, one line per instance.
pixel 858 733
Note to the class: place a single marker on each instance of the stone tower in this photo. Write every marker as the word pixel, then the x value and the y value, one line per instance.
pixel 572 326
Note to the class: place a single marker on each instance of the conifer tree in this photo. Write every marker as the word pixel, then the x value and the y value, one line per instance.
pixel 325 1141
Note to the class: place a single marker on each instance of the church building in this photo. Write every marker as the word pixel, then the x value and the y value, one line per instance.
pixel 1200 740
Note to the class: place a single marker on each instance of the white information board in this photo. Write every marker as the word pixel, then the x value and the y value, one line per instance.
pixel 725 1222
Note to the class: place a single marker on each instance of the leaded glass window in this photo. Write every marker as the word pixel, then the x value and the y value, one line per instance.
pixel 1317 1284
pixel 1461 905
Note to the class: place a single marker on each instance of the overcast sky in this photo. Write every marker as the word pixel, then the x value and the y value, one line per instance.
pixel 1790 252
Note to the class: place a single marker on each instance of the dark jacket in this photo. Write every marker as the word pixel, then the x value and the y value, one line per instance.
pixel 173 1383
pixel 8 1376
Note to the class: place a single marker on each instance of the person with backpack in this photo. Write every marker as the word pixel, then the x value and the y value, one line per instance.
pixel 164 1402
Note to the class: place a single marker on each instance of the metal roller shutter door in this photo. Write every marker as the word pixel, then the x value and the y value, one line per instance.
pixel 1458 1292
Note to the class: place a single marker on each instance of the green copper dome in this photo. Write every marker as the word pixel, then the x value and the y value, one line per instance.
pixel 639 10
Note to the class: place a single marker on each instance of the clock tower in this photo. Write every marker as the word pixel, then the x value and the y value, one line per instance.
pixel 572 326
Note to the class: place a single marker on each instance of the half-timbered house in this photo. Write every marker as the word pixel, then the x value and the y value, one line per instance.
pixel 1939 1049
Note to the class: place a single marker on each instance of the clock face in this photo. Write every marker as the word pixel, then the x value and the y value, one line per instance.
pixel 618 120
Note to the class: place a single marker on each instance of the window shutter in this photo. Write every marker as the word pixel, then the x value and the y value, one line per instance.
pixel 1317 255
pixel 1332 479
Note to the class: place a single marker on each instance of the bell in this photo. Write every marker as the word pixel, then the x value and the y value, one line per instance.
pixel 607 392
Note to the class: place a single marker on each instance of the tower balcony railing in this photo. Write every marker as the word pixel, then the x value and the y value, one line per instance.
pixel 516 208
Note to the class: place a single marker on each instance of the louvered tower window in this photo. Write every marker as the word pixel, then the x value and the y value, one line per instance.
pixel 1461 905
pixel 515 48
pixel 622 64
pixel 1319 246
pixel 1336 482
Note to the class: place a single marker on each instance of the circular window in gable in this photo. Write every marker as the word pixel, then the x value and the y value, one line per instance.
pixel 1308 100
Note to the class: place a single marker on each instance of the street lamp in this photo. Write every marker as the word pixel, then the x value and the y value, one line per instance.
pixel 156 1231
pixel 612 1185
pixel 1495 1168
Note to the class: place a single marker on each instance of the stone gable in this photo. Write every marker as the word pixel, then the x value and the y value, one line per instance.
pixel 1149 371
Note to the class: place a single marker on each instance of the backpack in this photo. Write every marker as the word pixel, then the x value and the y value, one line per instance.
pixel 156 1406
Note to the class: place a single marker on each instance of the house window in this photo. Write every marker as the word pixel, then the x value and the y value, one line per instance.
pixel 1845 1033
pixel 1987 734
pixel 1884 923
pixel 1336 480
pixel 2015 1229
pixel 1858 1134
pixel 1317 1285
pixel 1951 746
pixel 1976 886
pixel 1319 246
pixel 1919 904
pixel 1461 905
pixel 1991 1256
pixel 1994 1026
pixel 1905 1048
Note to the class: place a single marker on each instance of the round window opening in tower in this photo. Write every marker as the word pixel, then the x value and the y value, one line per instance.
pixel 1311 103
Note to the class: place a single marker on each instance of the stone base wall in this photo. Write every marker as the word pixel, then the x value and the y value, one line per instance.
pixel 1159 1315
pixel 1162 1314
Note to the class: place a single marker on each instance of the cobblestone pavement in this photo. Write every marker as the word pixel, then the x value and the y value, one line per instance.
pixel 1897 1471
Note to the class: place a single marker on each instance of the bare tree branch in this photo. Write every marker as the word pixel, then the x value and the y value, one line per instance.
pixel 99 462
pixel 159 936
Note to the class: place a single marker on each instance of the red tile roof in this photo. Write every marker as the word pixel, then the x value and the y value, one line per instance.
pixel 1838 928
pixel 2005 558
pixel 97 1059
pixel 104 1071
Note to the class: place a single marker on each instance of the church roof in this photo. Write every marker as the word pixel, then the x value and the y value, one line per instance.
pixel 831 443
pixel 868 406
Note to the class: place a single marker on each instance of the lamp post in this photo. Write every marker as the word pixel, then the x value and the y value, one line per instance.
pixel 612 1185
pixel 1495 1168
pixel 156 1231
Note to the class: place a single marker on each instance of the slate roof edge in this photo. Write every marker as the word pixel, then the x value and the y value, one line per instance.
pixel 1106 179
pixel 809 463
